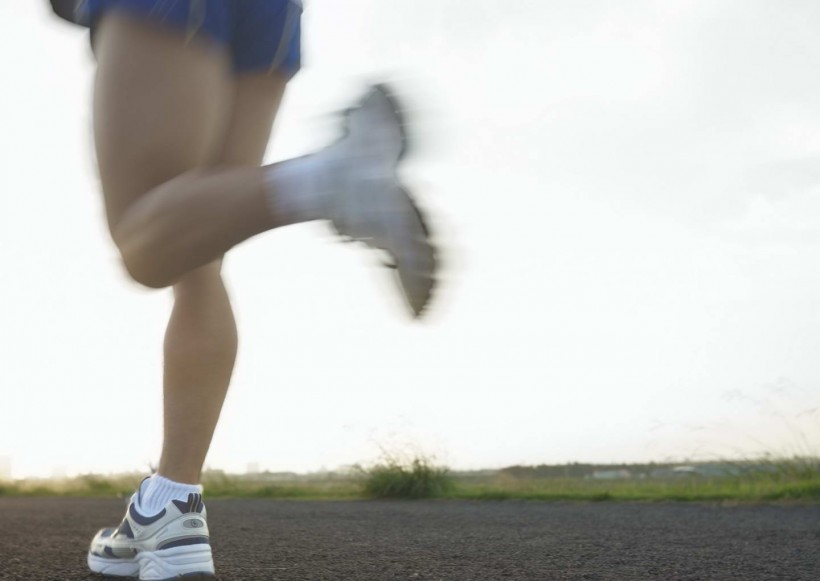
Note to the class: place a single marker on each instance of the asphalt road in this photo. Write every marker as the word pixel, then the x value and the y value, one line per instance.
pixel 445 540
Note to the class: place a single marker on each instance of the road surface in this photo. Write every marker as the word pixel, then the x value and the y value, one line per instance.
pixel 445 540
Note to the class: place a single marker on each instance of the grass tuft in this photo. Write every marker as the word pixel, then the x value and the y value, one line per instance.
pixel 418 478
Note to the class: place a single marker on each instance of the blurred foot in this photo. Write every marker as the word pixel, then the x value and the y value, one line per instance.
pixel 367 203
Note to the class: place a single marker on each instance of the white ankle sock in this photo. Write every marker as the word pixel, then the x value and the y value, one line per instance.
pixel 157 491
pixel 297 189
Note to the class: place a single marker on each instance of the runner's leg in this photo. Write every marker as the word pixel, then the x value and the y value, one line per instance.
pixel 163 108
pixel 200 344
pixel 198 216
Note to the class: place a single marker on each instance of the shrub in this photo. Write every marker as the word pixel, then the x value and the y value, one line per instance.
pixel 418 478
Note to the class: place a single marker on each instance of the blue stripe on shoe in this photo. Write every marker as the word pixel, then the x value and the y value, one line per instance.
pixel 193 504
pixel 105 533
pixel 181 505
pixel 183 543
pixel 144 520
pixel 125 529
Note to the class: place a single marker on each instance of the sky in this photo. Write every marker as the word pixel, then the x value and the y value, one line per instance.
pixel 627 197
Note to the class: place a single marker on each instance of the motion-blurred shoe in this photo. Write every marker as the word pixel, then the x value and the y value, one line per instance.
pixel 370 205
pixel 168 545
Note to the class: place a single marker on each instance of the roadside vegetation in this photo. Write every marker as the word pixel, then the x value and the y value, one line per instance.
pixel 418 478
pixel 766 480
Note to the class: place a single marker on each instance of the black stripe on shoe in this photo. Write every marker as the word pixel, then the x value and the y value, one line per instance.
pixel 187 541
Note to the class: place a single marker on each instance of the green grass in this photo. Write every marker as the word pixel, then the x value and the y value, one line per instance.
pixel 749 489
pixel 784 480
pixel 418 478
pixel 221 485
pixel 750 481
pixel 86 485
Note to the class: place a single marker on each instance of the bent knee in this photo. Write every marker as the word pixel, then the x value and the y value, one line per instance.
pixel 141 255
pixel 146 256
pixel 156 235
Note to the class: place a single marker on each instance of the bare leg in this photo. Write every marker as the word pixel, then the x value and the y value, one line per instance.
pixel 162 113
pixel 190 220
pixel 200 350
pixel 194 116
pixel 172 212
pixel 201 341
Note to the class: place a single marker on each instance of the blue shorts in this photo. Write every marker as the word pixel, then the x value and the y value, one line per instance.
pixel 262 35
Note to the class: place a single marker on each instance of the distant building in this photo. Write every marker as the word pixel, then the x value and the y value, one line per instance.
pixel 674 472
pixel 710 470
pixel 718 470
pixel 611 474
pixel 278 476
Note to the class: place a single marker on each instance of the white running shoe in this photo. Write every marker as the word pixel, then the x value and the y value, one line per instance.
pixel 370 205
pixel 165 546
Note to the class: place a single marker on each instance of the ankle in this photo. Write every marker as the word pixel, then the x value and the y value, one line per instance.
pixel 297 189
pixel 157 491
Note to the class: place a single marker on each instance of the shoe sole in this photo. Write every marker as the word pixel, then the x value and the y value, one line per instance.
pixel 194 563
pixel 395 106
pixel 113 568
pixel 396 109
pixel 406 145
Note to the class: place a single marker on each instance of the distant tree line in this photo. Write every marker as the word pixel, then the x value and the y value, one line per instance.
pixel 575 470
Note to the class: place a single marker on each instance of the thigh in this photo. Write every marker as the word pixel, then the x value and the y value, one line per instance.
pixel 164 107
pixel 256 98
pixel 161 106
pixel 255 103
